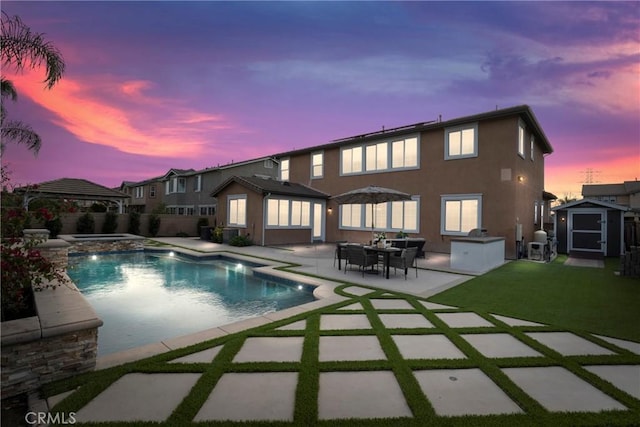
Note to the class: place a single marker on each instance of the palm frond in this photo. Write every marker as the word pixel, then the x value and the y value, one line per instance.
pixel 8 89
pixel 21 48
pixel 20 133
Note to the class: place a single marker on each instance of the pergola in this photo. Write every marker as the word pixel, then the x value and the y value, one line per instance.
pixel 72 189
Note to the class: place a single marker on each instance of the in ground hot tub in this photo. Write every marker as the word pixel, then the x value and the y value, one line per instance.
pixel 102 243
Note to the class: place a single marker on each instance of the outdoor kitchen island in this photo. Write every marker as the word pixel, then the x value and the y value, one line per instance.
pixel 477 254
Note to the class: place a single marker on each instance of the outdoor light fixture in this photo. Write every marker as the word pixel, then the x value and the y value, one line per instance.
pixel 330 210
pixel 520 178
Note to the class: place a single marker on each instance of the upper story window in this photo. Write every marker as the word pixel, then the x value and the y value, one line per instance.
pixel 521 131
pixel 317 165
pixel 404 153
pixel 237 210
pixel 376 157
pixel 152 191
pixel 139 192
pixel 351 160
pixel 532 146
pixel 284 169
pixel 197 185
pixel 268 164
pixel 380 156
pixel 461 142
pixel 176 185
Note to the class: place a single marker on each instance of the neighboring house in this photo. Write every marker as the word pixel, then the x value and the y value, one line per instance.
pixel 187 192
pixel 296 213
pixel 483 171
pixel 625 194
pixel 145 195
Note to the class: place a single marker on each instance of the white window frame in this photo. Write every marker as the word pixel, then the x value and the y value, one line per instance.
pixel 197 187
pixel 362 220
pixel 234 201
pixel 139 192
pixel 285 218
pixel 152 191
pixel 532 142
pixel 521 134
pixel 207 210
pixel 460 129
pixel 317 168
pixel 182 210
pixel 443 213
pixel 366 158
pixel 285 165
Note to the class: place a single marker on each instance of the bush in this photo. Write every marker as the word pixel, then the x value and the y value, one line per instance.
pixel 86 224
pixel 216 235
pixel 98 208
pixel 134 223
pixel 182 234
pixel 240 241
pixel 154 225
pixel 54 226
pixel 110 223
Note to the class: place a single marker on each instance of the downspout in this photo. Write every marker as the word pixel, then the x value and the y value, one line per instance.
pixel 264 215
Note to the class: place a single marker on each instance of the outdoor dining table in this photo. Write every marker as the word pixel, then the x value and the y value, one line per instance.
pixel 386 253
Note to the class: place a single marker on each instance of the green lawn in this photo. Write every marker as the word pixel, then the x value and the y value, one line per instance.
pixel 581 298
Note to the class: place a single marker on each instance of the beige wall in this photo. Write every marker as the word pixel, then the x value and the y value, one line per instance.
pixel 504 201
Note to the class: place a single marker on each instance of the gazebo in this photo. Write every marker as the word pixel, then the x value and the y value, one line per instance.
pixel 72 189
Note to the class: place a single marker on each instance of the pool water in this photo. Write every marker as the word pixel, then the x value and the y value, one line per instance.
pixel 145 298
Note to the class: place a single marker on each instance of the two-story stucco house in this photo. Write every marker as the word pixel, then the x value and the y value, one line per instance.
pixel 483 171
pixel 145 195
pixel 188 192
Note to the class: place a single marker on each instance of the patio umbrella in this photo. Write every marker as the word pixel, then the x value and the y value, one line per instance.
pixel 373 195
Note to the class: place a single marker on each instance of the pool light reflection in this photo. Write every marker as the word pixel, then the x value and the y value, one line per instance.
pixel 94 257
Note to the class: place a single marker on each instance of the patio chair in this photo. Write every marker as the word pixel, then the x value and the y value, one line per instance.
pixel 357 255
pixel 405 261
pixel 341 252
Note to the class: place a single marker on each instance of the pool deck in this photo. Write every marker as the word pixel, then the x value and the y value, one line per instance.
pixel 262 396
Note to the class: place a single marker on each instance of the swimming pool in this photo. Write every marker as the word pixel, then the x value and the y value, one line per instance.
pixel 145 298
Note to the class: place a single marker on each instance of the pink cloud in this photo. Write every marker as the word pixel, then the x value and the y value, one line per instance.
pixel 122 115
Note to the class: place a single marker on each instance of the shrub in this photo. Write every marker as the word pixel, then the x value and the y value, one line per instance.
pixel 86 224
pixel 154 225
pixel 110 223
pixel 98 208
pixel 216 235
pixel 54 226
pixel 182 234
pixel 240 241
pixel 134 223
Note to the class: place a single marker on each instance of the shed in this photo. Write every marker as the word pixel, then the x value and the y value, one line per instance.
pixel 590 227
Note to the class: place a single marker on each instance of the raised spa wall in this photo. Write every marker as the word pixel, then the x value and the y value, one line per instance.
pixel 62 340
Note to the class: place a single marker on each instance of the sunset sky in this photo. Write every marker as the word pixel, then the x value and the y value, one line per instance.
pixel 151 86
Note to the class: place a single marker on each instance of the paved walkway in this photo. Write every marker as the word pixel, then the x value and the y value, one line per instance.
pixel 367 352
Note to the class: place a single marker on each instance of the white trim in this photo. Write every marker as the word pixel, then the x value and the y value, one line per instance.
pixel 321 175
pixel 389 153
pixel 231 198
pixel 459 197
pixel 602 231
pixel 522 131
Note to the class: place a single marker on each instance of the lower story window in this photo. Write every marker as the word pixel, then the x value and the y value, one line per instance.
pixel 391 216
pixel 237 211
pixel 207 210
pixel 460 214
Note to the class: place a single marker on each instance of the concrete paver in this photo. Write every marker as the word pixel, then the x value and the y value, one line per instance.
pixel 270 349
pixel 464 320
pixel 405 321
pixel 568 344
pixel 344 321
pixel 363 347
pixel 464 392
pixel 205 356
pixel 633 347
pixel 515 322
pixel 251 397
pixel 295 326
pixel 391 304
pixel 557 389
pixel 360 395
pixel 355 306
pixel 499 345
pixel 435 306
pixel 427 347
pixel 625 377
pixel 148 397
